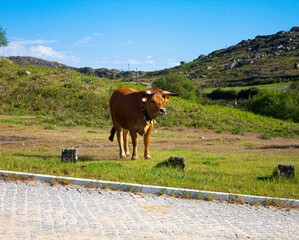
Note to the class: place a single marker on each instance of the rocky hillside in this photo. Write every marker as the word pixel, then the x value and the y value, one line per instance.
pixel 100 72
pixel 264 59
pixel 32 61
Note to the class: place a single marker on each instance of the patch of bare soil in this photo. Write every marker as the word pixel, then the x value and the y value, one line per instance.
pixel 208 141
pixel 93 144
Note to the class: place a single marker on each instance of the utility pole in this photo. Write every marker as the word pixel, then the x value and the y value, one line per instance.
pixel 129 75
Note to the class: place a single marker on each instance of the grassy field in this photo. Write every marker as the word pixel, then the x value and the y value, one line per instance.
pixel 272 86
pixel 66 97
pixel 225 162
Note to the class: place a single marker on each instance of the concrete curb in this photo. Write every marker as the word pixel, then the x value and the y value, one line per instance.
pixel 158 190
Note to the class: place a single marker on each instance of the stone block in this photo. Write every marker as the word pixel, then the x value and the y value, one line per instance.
pixel 69 155
pixel 284 170
pixel 174 162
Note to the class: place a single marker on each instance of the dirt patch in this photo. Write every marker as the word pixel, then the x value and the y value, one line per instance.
pixel 93 144
pixel 15 139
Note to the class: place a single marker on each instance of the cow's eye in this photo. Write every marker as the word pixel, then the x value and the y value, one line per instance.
pixel 152 101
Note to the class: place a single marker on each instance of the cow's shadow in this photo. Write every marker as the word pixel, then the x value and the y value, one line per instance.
pixel 43 157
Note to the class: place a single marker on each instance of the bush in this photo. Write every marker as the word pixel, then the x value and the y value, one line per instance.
pixel 180 85
pixel 282 105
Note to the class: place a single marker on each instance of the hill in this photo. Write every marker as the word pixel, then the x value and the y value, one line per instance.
pixel 264 59
pixel 32 61
pixel 66 97
pixel 100 72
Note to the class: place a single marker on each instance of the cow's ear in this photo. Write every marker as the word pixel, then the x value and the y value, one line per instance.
pixel 166 98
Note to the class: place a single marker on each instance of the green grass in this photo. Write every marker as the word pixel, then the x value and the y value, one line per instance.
pixel 234 173
pixel 272 86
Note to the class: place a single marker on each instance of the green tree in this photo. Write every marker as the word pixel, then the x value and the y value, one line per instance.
pixel 3 40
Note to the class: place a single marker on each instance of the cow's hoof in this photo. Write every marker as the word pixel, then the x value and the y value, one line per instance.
pixel 148 157
pixel 134 158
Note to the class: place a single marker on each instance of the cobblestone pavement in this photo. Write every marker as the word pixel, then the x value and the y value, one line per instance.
pixel 40 211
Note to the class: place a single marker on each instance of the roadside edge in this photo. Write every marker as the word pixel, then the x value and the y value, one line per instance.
pixel 157 190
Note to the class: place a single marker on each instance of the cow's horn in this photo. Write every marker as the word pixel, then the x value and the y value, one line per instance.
pixel 148 92
pixel 169 93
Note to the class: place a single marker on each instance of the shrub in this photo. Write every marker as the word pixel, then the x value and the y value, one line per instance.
pixel 180 85
pixel 282 105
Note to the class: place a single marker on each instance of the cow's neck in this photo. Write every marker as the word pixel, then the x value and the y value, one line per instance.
pixel 147 117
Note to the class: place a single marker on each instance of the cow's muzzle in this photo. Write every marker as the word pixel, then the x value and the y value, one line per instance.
pixel 162 111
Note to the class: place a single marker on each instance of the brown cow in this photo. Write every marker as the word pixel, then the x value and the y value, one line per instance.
pixel 135 112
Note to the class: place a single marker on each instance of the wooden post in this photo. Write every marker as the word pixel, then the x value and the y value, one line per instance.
pixel 69 155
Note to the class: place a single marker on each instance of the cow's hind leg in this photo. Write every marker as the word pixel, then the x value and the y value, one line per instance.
pixel 126 142
pixel 119 134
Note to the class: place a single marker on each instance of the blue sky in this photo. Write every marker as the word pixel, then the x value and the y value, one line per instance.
pixel 140 34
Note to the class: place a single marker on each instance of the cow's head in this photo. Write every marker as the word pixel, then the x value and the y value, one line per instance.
pixel 153 101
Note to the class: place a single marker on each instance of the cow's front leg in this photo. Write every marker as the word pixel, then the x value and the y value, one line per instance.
pixel 122 153
pixel 126 142
pixel 146 141
pixel 135 144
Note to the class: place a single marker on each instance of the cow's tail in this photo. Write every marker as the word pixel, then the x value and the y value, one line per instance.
pixel 112 133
